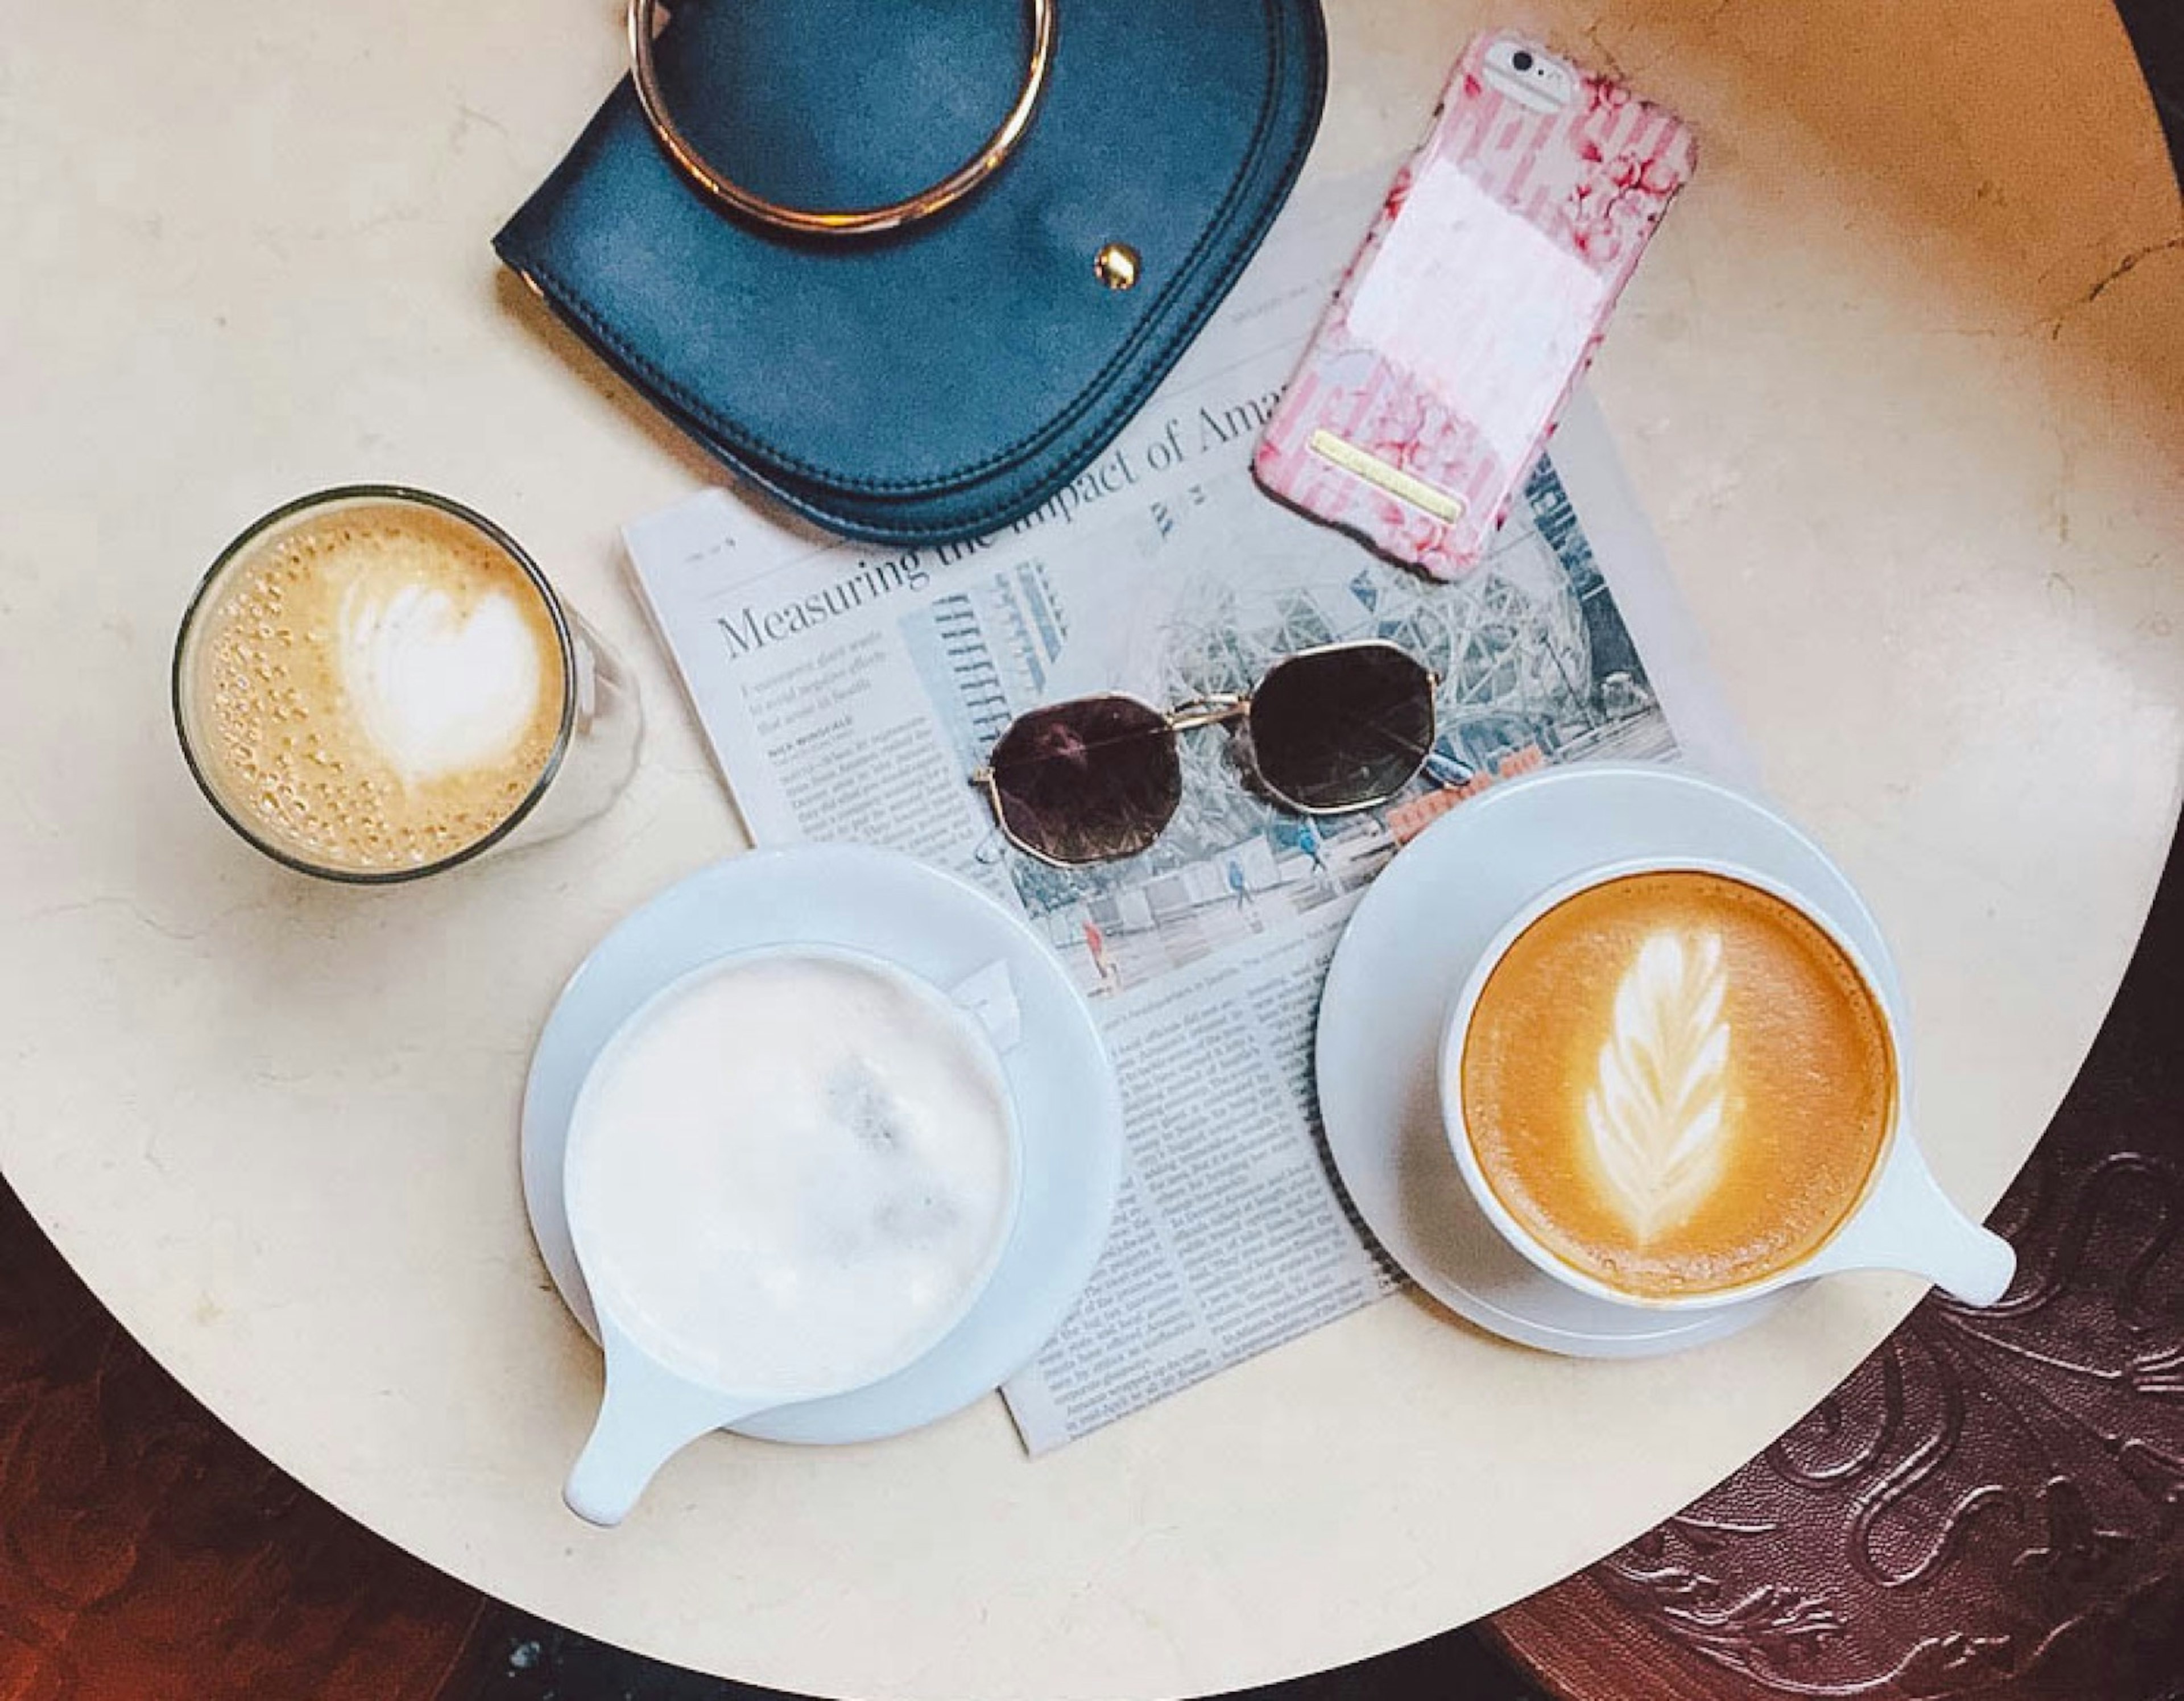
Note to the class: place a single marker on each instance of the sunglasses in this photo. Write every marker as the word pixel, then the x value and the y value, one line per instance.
pixel 1328 730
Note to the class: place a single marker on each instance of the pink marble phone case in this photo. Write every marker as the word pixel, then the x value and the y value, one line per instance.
pixel 1467 316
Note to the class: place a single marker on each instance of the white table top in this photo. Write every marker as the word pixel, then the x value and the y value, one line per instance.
pixel 1903 386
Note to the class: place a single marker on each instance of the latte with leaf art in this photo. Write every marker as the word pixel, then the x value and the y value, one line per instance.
pixel 1677 1082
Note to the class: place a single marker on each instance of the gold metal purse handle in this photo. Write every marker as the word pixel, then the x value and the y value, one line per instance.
pixel 849 220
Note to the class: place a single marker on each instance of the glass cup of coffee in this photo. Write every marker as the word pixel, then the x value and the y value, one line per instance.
pixel 1676 1084
pixel 375 684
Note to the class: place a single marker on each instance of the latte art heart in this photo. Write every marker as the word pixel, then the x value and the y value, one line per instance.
pixel 438 692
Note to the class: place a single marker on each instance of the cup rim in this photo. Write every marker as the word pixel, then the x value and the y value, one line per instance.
pixel 934 997
pixel 310 502
pixel 1455 1027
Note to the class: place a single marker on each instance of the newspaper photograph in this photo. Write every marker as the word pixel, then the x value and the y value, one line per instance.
pixel 849 693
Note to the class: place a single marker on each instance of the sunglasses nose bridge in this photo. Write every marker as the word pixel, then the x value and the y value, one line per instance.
pixel 1217 710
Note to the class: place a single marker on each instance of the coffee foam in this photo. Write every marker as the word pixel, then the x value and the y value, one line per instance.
pixel 790 1174
pixel 1655 1112
pixel 375 688
pixel 438 692
pixel 1677 1082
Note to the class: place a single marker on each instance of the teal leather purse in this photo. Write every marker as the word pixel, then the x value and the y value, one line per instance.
pixel 911 264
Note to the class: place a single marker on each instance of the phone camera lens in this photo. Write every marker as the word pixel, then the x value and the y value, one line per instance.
pixel 1522 60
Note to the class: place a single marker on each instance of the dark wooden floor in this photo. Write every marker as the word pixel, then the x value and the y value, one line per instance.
pixel 517 1661
pixel 145 1555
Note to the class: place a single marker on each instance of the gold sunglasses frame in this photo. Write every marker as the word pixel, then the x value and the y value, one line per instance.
pixel 1220 709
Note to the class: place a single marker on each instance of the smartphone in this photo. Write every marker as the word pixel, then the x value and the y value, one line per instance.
pixel 1435 378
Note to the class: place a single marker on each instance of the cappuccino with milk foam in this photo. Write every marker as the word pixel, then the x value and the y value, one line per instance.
pixel 373 688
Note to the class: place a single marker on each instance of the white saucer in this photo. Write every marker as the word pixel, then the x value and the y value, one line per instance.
pixel 1409 948
pixel 938 928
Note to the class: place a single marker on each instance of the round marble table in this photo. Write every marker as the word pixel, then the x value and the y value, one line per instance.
pixel 1900 387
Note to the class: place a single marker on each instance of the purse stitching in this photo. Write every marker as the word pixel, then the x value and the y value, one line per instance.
pixel 752 445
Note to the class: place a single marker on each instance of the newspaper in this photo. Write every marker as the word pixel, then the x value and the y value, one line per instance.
pixel 848 692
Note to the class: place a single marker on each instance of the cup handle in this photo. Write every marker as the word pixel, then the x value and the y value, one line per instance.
pixel 1912 1224
pixel 647 1416
pixel 988 996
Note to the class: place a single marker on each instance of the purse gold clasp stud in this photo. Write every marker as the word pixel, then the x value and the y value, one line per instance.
pixel 1115 264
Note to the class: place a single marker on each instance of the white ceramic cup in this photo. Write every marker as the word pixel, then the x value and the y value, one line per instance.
pixel 651 1410
pixel 1904 1220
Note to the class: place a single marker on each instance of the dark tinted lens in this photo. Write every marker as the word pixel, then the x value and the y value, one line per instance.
pixel 1343 727
pixel 1085 781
